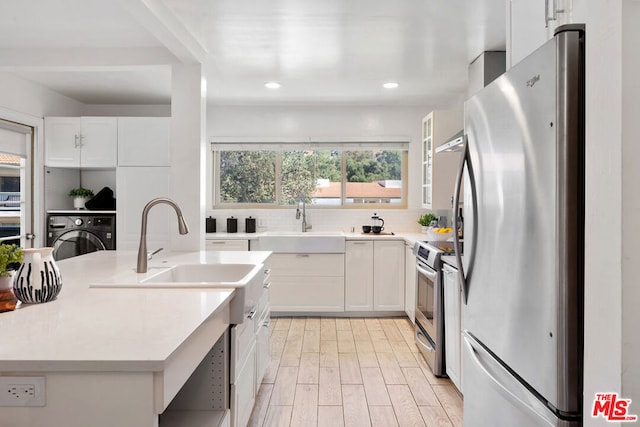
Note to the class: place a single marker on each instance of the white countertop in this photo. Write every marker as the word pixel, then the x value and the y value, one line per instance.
pixel 111 329
pixel 408 236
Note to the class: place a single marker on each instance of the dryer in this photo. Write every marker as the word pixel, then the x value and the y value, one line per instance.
pixel 80 233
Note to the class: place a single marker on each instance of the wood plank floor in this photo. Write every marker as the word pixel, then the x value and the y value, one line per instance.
pixel 351 372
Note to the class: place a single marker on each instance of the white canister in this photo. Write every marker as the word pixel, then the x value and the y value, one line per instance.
pixel 38 278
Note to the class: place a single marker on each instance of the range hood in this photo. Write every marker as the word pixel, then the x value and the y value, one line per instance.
pixel 455 143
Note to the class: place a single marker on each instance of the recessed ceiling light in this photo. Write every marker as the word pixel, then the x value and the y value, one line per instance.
pixel 390 85
pixel 272 85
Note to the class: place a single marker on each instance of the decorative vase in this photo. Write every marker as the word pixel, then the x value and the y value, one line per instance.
pixel 38 278
pixel 8 300
pixel 78 202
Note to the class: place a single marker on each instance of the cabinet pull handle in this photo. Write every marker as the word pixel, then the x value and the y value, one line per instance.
pixel 216 242
pixel 267 285
pixel 267 271
pixel 77 141
pixel 267 323
pixel 81 139
pixel 302 255
pixel 359 243
pixel 252 314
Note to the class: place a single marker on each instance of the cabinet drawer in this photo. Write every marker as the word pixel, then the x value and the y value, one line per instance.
pixel 263 355
pixel 242 339
pixel 227 245
pixel 262 307
pixel 307 265
pixel 303 293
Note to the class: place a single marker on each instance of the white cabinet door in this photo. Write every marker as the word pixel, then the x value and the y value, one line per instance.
pixel 388 280
pixel 527 30
pixel 99 142
pixel 90 142
pixel 135 186
pixel 531 23
pixel 410 282
pixel 358 276
pixel 243 392
pixel 307 283
pixel 62 141
pixel 144 141
pixel 452 325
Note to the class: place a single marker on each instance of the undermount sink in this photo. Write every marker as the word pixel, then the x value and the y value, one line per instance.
pixel 246 279
pixel 299 242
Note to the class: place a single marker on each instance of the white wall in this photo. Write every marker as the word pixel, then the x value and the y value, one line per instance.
pixel 604 227
pixel 329 122
pixel 161 110
pixel 30 98
pixel 630 203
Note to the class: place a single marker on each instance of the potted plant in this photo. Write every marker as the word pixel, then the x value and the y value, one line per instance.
pixel 426 220
pixel 10 259
pixel 80 196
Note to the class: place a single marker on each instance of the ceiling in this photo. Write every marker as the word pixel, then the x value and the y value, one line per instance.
pixel 322 52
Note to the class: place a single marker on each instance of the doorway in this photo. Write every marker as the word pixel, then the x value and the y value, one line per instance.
pixel 16 184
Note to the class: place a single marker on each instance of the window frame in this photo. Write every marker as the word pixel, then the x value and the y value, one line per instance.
pixel 391 144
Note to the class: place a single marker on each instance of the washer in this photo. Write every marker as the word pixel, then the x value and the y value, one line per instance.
pixel 80 233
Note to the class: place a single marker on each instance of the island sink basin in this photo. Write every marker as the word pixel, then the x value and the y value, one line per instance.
pixel 228 274
pixel 245 279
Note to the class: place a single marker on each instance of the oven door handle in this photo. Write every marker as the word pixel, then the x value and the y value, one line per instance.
pixel 424 343
pixel 429 273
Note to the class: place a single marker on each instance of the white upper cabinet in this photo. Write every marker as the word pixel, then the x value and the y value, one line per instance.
pixel 144 141
pixel 531 23
pixel 88 142
pixel 439 169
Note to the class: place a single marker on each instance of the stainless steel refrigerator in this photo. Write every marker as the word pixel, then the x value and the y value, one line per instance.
pixel 523 263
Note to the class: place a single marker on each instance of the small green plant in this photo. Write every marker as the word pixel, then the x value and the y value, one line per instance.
pixel 10 259
pixel 426 219
pixel 81 192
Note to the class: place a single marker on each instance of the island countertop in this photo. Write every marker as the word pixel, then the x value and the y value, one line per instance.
pixel 89 329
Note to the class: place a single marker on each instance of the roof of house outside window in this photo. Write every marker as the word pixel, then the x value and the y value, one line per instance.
pixel 357 189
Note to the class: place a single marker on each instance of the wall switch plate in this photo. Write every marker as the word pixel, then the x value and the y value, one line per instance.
pixel 22 391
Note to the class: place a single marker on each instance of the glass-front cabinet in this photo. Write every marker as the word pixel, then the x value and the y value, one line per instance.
pixel 439 169
pixel 427 161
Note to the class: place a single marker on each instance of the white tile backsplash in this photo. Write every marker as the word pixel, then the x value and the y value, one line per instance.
pixel 396 220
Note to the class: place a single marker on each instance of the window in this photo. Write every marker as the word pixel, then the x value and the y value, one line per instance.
pixel 283 175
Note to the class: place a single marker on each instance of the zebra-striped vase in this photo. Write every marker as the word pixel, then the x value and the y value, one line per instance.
pixel 38 278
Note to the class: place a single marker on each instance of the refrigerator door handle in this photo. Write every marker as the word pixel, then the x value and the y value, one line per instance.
pixel 479 355
pixel 464 160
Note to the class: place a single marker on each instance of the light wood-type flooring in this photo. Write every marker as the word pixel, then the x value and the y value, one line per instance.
pixel 351 372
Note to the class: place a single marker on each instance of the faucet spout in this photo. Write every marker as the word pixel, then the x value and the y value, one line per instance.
pixel 142 248
pixel 305 226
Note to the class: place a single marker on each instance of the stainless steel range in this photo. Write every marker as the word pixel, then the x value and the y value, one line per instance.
pixel 430 303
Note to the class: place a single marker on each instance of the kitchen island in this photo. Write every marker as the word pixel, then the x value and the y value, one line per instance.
pixel 113 356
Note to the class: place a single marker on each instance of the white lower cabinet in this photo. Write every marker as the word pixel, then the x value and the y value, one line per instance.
pixel 374 275
pixel 410 276
pixel 263 354
pixel 250 355
pixel 358 275
pixel 243 395
pixel 452 325
pixel 307 282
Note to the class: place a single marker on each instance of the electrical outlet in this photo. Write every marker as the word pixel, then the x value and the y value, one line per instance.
pixel 22 391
